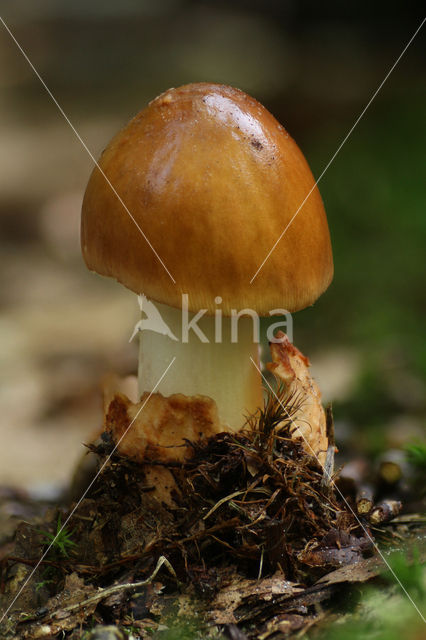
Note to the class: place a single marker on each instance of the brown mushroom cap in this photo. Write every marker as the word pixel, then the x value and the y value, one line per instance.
pixel 212 179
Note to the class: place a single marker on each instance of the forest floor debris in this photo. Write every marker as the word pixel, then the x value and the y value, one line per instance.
pixel 253 545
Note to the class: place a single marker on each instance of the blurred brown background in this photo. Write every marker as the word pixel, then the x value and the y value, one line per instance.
pixel 315 66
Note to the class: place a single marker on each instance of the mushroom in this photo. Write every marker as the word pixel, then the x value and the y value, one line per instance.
pixel 185 204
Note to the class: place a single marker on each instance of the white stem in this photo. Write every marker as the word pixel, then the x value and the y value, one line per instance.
pixel 221 370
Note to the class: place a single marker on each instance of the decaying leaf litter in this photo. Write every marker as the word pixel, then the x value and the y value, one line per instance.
pixel 256 540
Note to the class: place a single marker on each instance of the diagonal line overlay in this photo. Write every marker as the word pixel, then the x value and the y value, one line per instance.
pixel 331 481
pixel 84 145
pixel 84 495
pixel 345 139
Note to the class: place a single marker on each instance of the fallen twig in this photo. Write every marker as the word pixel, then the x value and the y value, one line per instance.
pixel 364 500
pixel 104 593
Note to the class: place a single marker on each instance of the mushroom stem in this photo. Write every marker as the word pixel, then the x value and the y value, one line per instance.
pixel 219 368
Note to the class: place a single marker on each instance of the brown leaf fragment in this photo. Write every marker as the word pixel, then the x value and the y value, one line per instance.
pixel 248 592
pixel 336 548
pixel 283 604
pixel 360 572
pixel 74 591
pixel 57 617
pixel 369 568
pixel 284 625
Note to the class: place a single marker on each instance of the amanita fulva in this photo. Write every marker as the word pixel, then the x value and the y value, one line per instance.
pixel 212 179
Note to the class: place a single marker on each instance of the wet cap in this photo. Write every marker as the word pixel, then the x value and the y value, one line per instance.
pixel 213 180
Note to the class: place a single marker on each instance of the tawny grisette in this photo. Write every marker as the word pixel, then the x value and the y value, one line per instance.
pixel 213 180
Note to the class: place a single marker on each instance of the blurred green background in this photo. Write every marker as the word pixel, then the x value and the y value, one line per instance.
pixel 315 66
